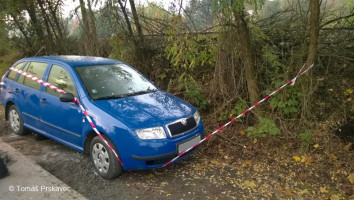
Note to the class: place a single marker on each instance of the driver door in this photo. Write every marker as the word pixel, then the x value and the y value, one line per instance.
pixel 62 120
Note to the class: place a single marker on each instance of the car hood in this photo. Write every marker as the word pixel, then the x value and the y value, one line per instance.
pixel 147 110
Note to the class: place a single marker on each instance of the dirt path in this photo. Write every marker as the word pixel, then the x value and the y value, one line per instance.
pixel 217 170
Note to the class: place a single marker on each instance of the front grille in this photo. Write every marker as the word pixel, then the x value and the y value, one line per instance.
pixel 177 128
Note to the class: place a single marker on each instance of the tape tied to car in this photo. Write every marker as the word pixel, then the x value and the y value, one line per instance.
pixel 48 85
pixel 76 100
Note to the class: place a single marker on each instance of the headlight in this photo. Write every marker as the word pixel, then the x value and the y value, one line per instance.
pixel 196 117
pixel 151 133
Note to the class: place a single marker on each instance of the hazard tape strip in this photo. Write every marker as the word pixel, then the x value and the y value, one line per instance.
pixel 76 100
pixel 48 85
pixel 292 81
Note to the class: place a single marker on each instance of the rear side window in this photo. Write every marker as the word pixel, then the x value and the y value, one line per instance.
pixel 36 69
pixel 12 75
pixel 61 79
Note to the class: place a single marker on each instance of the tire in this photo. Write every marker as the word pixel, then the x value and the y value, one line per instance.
pixel 105 162
pixel 16 121
pixel 3 169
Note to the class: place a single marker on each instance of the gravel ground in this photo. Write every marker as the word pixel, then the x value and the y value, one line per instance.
pixel 218 170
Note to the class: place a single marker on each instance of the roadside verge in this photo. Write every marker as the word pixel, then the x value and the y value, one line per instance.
pixel 27 180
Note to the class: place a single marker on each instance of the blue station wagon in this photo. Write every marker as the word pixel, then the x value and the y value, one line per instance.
pixel 146 126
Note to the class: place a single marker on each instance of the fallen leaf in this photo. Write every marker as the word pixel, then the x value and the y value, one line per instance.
pixel 302 192
pixel 316 146
pixel 351 178
pixel 317 156
pixel 249 184
pixel 247 162
pixel 323 190
pixel 288 192
pixel 242 132
pixel 334 197
pixel 349 99
pixel 332 157
pixel 297 158
pixel 306 159
pixel 302 176
pixel 348 147
pixel 348 91
pixel 167 195
pixel 150 176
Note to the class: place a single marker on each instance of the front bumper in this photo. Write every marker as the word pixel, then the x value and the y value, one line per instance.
pixel 150 154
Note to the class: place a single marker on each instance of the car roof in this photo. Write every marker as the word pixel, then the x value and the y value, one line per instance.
pixel 74 60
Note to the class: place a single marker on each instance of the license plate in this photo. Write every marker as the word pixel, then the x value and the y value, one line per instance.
pixel 186 145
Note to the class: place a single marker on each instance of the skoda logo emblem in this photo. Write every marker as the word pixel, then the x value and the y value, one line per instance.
pixel 184 122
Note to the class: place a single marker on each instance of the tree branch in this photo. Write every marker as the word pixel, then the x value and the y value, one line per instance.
pixel 337 19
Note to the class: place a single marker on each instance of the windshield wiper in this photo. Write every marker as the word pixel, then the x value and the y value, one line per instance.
pixel 110 97
pixel 140 92
pixel 125 95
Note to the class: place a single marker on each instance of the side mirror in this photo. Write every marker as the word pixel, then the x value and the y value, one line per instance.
pixel 67 97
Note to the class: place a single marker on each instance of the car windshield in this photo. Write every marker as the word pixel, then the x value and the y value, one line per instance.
pixel 113 81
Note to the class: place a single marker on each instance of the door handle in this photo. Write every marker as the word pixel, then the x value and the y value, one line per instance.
pixel 43 101
pixel 16 90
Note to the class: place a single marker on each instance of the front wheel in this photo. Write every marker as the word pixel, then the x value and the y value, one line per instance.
pixel 16 121
pixel 105 162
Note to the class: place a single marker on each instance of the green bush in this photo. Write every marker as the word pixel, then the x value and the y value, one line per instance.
pixel 306 137
pixel 263 128
pixel 287 101
pixel 189 86
pixel 236 110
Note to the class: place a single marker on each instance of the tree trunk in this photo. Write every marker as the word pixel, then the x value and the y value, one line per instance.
pixel 129 26
pixel 90 34
pixel 245 49
pixel 314 31
pixel 47 24
pixel 306 85
pixel 137 23
pixel 93 30
pixel 58 25
pixel 85 26
pixel 31 9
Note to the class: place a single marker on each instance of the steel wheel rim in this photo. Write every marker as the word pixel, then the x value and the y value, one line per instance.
pixel 100 157
pixel 14 120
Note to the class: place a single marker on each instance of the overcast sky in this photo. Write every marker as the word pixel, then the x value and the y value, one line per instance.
pixel 70 5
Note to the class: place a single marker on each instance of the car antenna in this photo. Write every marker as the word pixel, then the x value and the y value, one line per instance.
pixel 39 50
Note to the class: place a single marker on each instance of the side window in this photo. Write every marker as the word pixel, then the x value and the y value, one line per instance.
pixel 12 75
pixel 61 79
pixel 36 69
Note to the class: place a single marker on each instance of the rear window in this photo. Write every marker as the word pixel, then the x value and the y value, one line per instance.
pixel 36 69
pixel 12 75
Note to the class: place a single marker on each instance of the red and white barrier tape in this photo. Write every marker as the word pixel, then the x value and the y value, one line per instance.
pixel 292 81
pixel 48 85
pixel 76 100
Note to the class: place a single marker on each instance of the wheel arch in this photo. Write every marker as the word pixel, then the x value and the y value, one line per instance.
pixel 7 108
pixel 89 137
